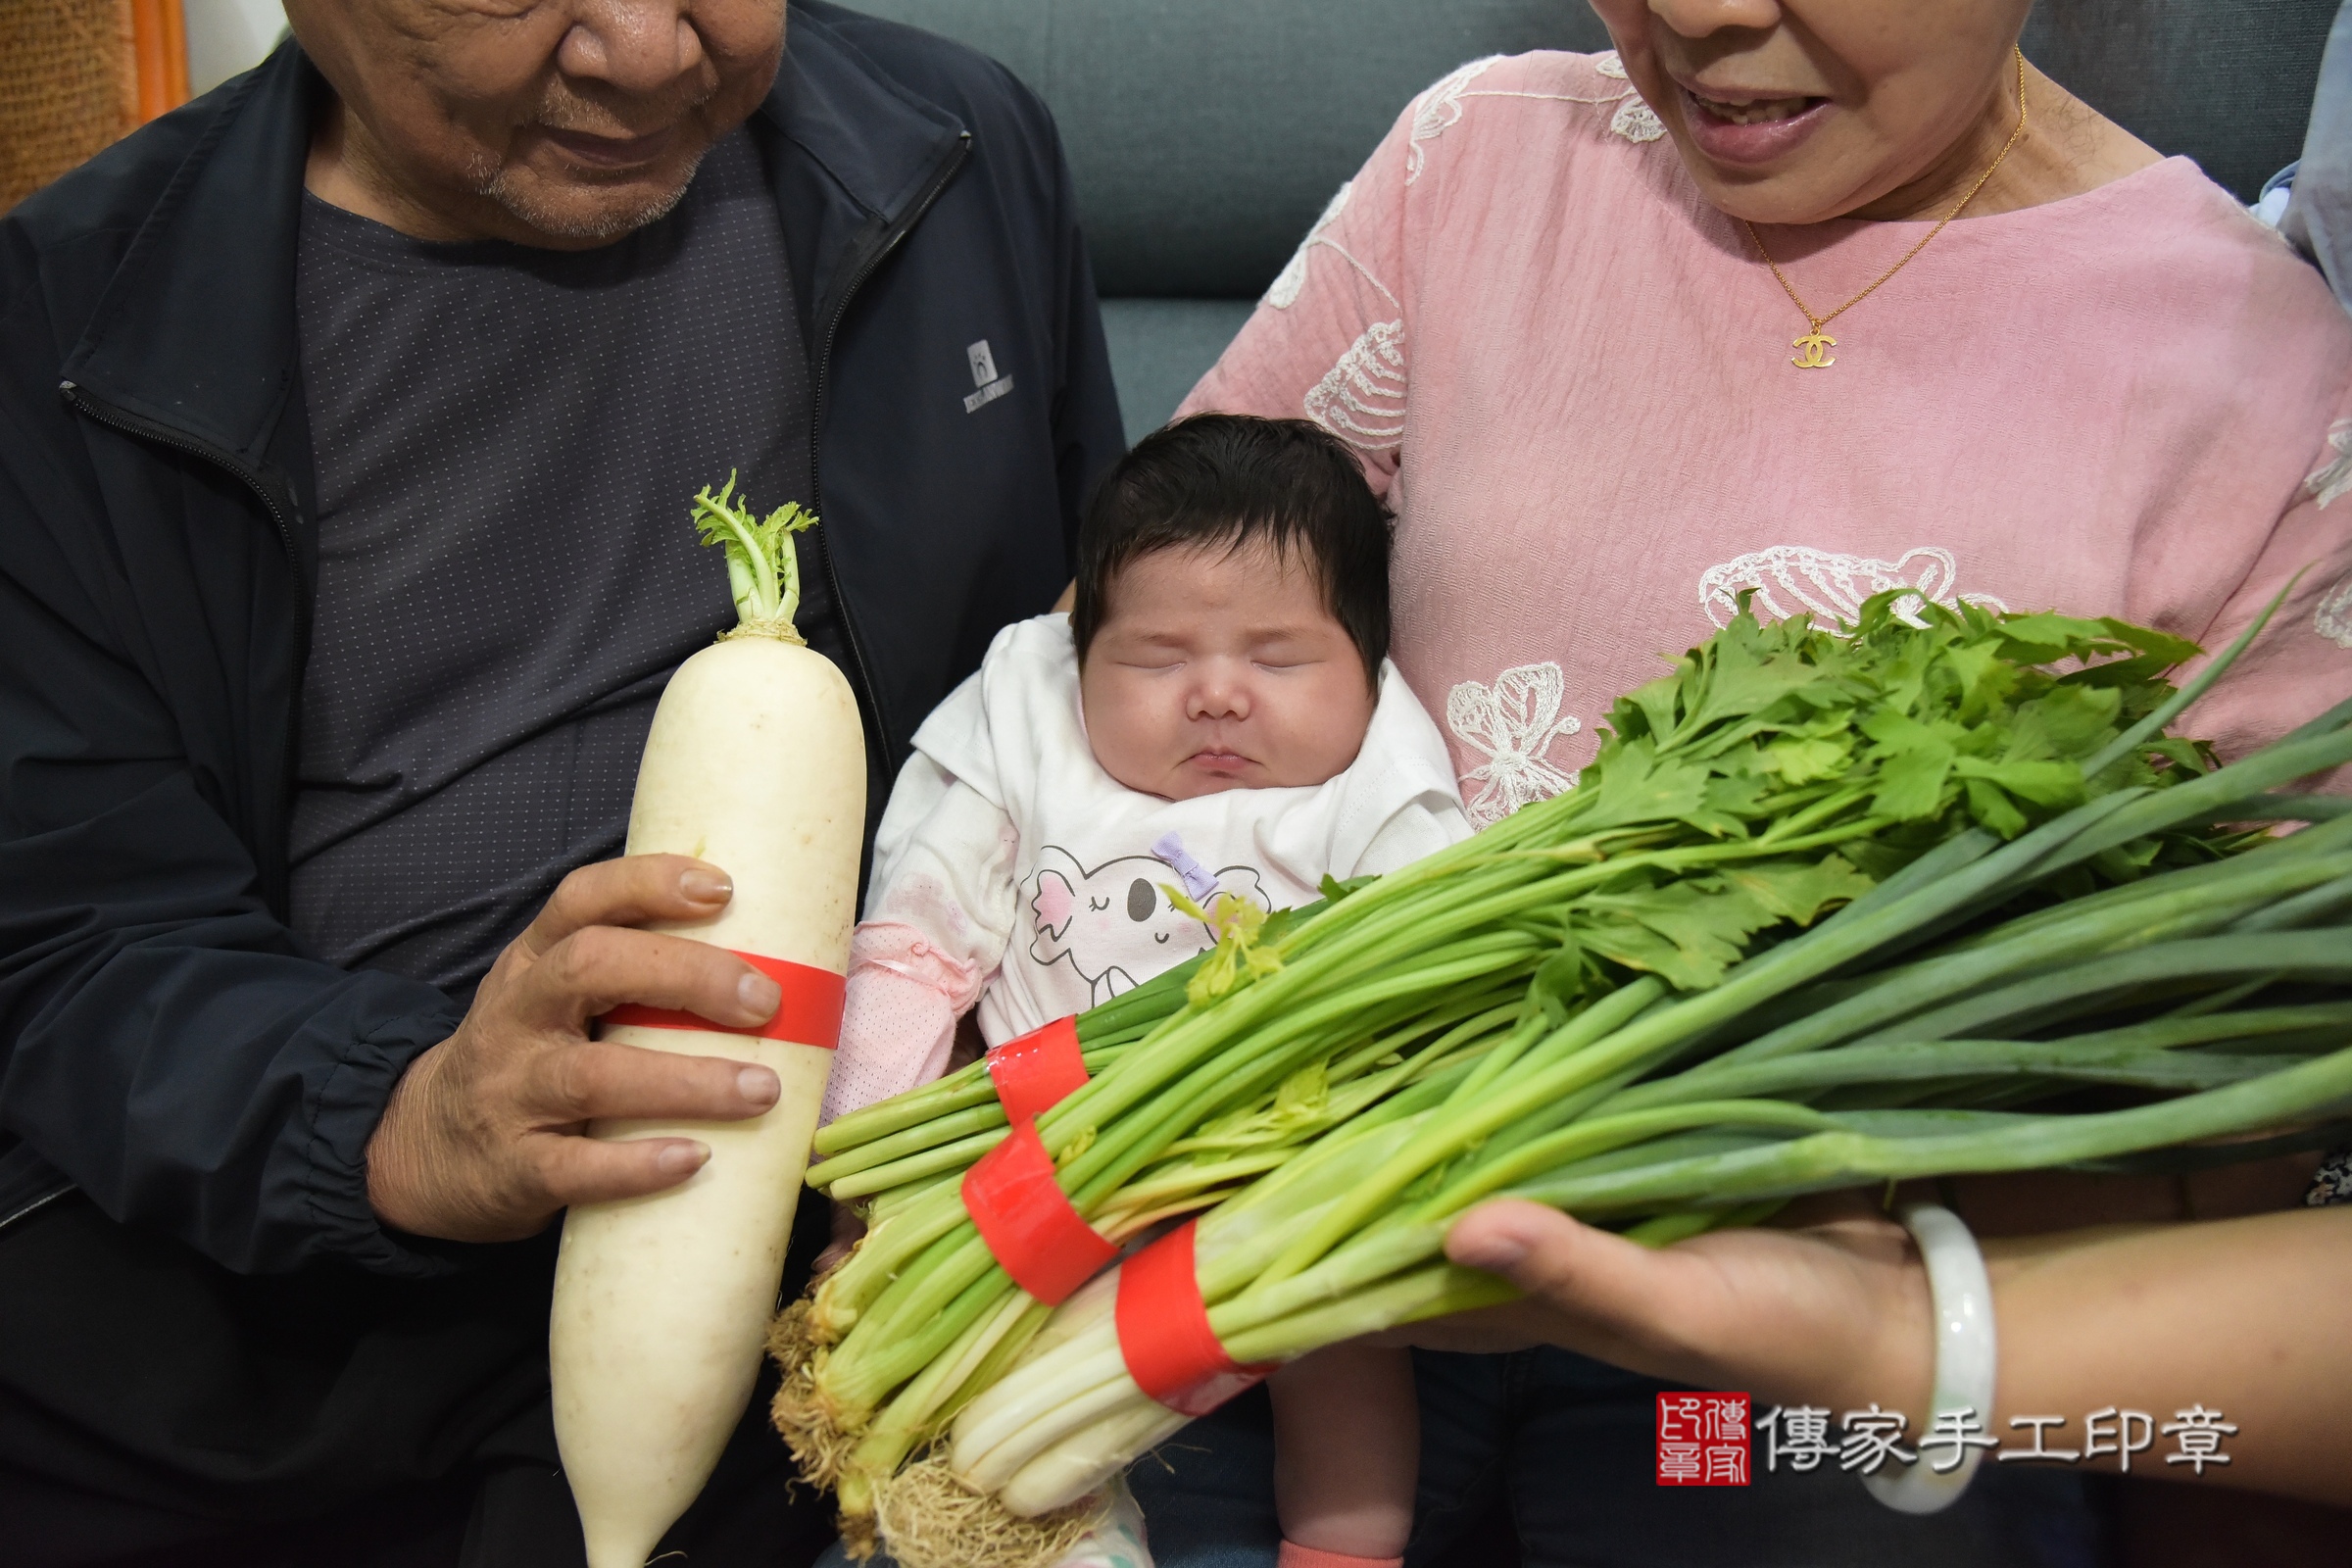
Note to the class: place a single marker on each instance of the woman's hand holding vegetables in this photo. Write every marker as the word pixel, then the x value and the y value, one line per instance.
pixel 481 1140
pixel 2155 1319
pixel 1835 1312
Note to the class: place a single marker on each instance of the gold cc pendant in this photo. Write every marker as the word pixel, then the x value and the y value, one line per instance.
pixel 1808 351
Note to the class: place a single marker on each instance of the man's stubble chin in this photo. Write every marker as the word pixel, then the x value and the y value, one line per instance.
pixel 525 200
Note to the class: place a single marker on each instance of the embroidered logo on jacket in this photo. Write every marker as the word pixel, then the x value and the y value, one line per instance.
pixel 992 387
pixel 1113 924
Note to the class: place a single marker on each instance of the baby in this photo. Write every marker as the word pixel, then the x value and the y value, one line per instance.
pixel 1219 710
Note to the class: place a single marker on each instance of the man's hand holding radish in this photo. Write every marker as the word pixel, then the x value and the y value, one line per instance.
pixel 482 1138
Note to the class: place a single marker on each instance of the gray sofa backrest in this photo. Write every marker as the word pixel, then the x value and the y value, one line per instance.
pixel 1206 135
pixel 2227 81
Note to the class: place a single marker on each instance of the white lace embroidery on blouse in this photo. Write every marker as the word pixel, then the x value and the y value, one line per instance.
pixel 1293 278
pixel 2332 619
pixel 1439 108
pixel 1513 725
pixel 1635 120
pixel 1788 578
pixel 2332 479
pixel 1361 399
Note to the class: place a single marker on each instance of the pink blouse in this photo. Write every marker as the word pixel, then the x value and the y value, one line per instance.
pixel 1572 379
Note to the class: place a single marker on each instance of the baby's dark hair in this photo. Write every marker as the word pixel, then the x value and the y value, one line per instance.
pixel 1231 478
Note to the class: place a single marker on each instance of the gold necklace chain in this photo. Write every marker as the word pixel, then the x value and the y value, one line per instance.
pixel 1809 355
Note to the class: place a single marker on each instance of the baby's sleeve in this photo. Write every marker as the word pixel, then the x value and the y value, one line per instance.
pixel 936 920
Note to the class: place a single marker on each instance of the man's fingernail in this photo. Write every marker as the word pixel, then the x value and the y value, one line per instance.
pixel 759 1086
pixel 758 996
pixel 706 885
pixel 682 1158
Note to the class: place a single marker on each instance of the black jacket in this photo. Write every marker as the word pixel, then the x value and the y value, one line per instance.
pixel 165 1043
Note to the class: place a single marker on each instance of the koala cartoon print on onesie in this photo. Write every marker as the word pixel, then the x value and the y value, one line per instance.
pixel 1118 924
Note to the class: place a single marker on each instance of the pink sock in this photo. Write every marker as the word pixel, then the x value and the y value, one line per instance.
pixel 1294 1555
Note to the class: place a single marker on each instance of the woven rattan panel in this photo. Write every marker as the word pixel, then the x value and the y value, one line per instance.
pixel 68 87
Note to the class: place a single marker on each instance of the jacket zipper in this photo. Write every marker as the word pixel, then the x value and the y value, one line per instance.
pixel 816 406
pixel 34 1206
pixel 82 402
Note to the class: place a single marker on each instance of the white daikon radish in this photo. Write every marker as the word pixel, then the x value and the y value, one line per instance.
pixel 756 763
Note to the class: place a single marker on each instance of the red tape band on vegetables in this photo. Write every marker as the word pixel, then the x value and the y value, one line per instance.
pixel 809 1015
pixel 1164 1337
pixel 1039 1070
pixel 1026 1219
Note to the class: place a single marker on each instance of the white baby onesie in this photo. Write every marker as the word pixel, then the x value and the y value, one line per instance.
pixel 1011 870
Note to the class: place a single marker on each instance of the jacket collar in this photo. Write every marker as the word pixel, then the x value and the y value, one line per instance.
pixel 878 141
pixel 196 330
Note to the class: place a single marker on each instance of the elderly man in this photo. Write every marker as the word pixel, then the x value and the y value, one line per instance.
pixel 346 422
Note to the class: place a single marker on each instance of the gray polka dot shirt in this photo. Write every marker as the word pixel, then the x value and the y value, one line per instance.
pixel 506 441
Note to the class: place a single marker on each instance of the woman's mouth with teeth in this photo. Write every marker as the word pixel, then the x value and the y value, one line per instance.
pixel 1754 111
pixel 1752 129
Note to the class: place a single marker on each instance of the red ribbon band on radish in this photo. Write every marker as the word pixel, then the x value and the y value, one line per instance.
pixel 809 1015
pixel 1038 1070
pixel 1026 1219
pixel 1165 1334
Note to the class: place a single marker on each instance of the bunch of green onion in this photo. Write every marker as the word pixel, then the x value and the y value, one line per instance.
pixel 1635 1003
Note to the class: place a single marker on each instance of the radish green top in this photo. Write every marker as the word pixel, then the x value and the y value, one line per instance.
pixel 764 570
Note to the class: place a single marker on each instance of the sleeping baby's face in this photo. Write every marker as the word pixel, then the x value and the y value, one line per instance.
pixel 1217 670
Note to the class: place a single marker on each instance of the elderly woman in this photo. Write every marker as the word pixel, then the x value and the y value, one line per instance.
pixel 1802 297
pixel 1809 299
